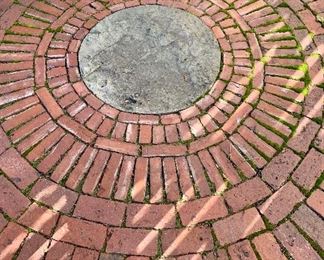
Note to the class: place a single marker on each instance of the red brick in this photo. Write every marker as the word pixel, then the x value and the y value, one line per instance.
pixel 56 72
pixel 225 164
pixel 95 172
pixel 10 16
pixel 234 155
pixel 281 203
pixel 246 194
pixel 186 240
pixel 85 254
pixel 15 66
pixel 128 117
pixel 248 150
pixel 255 48
pixel 262 131
pixel 313 105
pixel 100 210
pixel 149 119
pixel 29 127
pixel 294 242
pixel 55 154
pixel 14 165
pixel 200 210
pixel 170 179
pixel 220 254
pixel 280 168
pixel 170 119
pixel 212 170
pixel 59 250
pixel 277 112
pixel 225 106
pixel 42 47
pixel 106 127
pixel 110 175
pixel 46 144
pixel 207 141
pixel 208 123
pixel 22 117
pixel 63 18
pixel 80 232
pixel 242 250
pixel 84 114
pixel 58 81
pixel 93 101
pixel 49 103
pixel 117 146
pixel 125 175
pixel 316 202
pixel 151 216
pixel 47 8
pixel 141 172
pixel 76 129
pixel 238 226
pixel 80 89
pixel 132 241
pixel 3 222
pixel 271 122
pixel 145 134
pixel 184 131
pixel 171 133
pixel 10 240
pixel 119 131
pixel 35 246
pixel 12 202
pixel 304 135
pixel 241 113
pixel 197 129
pixel 158 134
pixel 310 22
pixel 290 83
pixel 54 195
pixel 198 174
pixel 189 113
pixel 257 142
pixel 14 96
pixel 284 92
pixel 39 219
pixel 258 77
pixel 190 256
pixel 36 137
pixel 311 223
pixel 156 192
pixel 68 100
pixel 68 161
pixel 319 140
pixel 309 170
pixel 163 150
pixel 17 85
pixel 185 181
pixel 267 247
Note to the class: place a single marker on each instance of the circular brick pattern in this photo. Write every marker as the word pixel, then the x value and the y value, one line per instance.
pixel 149 59
pixel 234 175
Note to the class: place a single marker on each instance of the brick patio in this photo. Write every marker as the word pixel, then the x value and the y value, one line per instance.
pixel 237 175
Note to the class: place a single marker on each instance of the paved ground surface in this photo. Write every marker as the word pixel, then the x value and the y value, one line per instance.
pixel 236 175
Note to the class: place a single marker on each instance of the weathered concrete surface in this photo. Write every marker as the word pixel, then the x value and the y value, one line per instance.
pixel 149 59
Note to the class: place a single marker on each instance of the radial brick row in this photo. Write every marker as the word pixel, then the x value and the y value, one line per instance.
pixel 238 174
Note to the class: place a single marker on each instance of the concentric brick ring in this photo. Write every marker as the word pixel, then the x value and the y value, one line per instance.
pixel 236 174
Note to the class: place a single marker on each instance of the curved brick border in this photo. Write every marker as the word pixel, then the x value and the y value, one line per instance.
pixel 237 174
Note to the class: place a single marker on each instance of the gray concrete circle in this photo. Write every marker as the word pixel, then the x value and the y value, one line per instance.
pixel 150 59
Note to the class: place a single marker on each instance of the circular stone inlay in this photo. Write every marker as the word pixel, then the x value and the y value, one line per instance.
pixel 150 59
